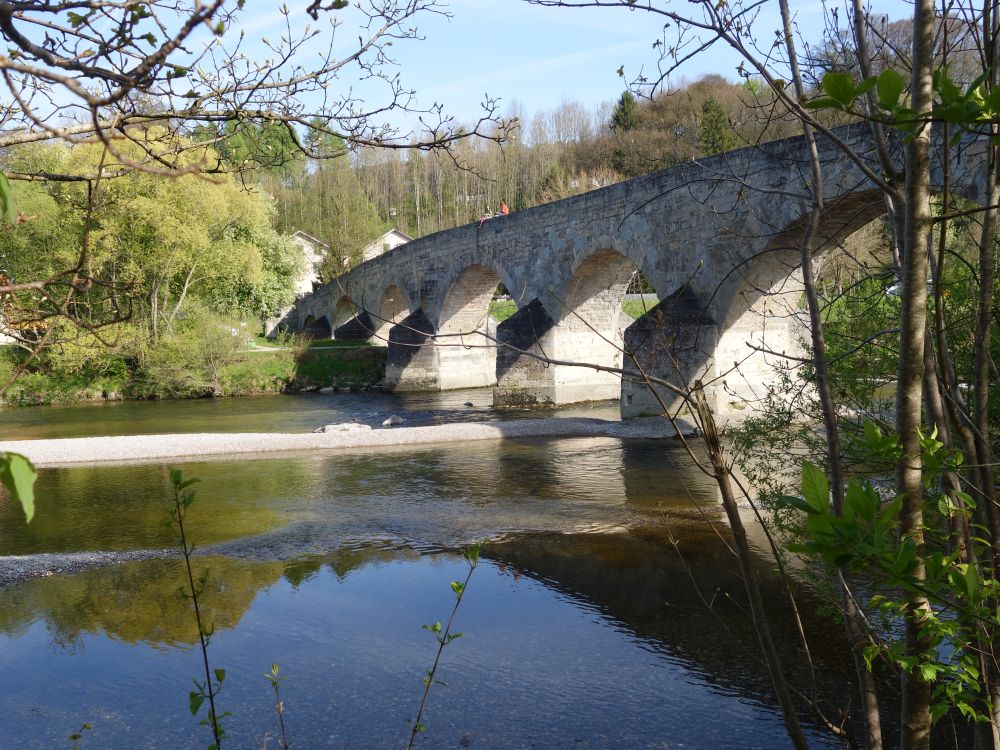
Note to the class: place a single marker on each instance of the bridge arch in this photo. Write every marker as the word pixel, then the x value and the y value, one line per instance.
pixel 466 353
pixel 590 326
pixel 584 322
pixel 344 311
pixel 317 328
pixel 393 306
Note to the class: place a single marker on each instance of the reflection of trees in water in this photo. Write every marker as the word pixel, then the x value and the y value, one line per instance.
pixel 342 562
pixel 139 602
pixel 639 581
pixel 135 602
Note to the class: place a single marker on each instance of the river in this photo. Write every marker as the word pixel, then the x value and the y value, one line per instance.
pixel 607 611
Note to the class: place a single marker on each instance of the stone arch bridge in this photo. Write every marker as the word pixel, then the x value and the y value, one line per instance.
pixel 718 238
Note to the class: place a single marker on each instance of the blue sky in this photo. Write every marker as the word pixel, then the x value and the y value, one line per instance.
pixel 537 56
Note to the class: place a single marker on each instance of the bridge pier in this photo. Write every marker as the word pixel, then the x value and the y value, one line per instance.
pixel 740 363
pixel 530 378
pixel 468 360
pixel 576 341
pixel 411 363
pixel 420 359
pixel 675 341
pixel 523 379
pixel 358 328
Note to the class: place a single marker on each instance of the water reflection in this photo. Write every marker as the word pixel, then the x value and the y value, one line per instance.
pixel 585 627
pixel 593 640
pixel 134 602
pixel 443 496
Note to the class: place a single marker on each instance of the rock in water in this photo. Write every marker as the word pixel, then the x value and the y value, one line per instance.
pixel 393 420
pixel 468 403
pixel 344 427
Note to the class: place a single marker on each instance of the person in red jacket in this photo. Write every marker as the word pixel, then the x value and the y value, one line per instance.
pixel 504 208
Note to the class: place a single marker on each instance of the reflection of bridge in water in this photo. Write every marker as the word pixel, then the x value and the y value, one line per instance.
pixel 717 238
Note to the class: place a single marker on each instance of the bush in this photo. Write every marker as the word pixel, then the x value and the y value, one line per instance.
pixel 190 362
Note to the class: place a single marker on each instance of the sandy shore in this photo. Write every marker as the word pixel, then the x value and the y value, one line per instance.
pixel 141 448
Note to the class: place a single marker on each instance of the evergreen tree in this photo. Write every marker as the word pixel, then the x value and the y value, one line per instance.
pixel 623 117
pixel 715 134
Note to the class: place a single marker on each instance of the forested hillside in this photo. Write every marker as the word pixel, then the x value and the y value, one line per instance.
pixel 568 150
pixel 565 151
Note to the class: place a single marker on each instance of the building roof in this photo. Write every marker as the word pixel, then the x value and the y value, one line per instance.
pixel 309 238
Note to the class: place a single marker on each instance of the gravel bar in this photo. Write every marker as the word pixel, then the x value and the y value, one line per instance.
pixel 141 448
pixel 24 567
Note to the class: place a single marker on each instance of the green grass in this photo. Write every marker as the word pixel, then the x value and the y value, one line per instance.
pixel 636 308
pixel 262 342
pixel 258 373
pixel 343 366
pixel 503 309
pixel 339 344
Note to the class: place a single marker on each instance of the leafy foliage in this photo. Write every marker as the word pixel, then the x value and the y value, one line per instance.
pixel 863 539
pixel 967 107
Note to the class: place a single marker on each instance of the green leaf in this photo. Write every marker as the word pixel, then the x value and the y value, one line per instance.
pixel 889 87
pixel 6 201
pixel 954 112
pixel 815 487
pixel 18 475
pixel 862 500
pixel 790 501
pixel 842 559
pixel 946 89
pixel 840 86
pixel 966 499
pixel 971 580
pixel 928 671
pixel 993 101
pixel 194 702
pixel 866 85
pixel 823 102
pixel 220 675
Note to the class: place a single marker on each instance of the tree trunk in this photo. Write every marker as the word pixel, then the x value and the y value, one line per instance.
pixel 916 692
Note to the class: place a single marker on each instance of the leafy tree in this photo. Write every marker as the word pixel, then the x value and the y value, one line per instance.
pixel 154 242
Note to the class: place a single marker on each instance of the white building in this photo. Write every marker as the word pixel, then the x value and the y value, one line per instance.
pixel 313 252
pixel 388 241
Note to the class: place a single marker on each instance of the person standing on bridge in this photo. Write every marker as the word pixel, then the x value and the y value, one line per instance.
pixel 504 208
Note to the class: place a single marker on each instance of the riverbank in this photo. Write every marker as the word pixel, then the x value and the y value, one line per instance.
pixel 351 436
pixel 251 372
